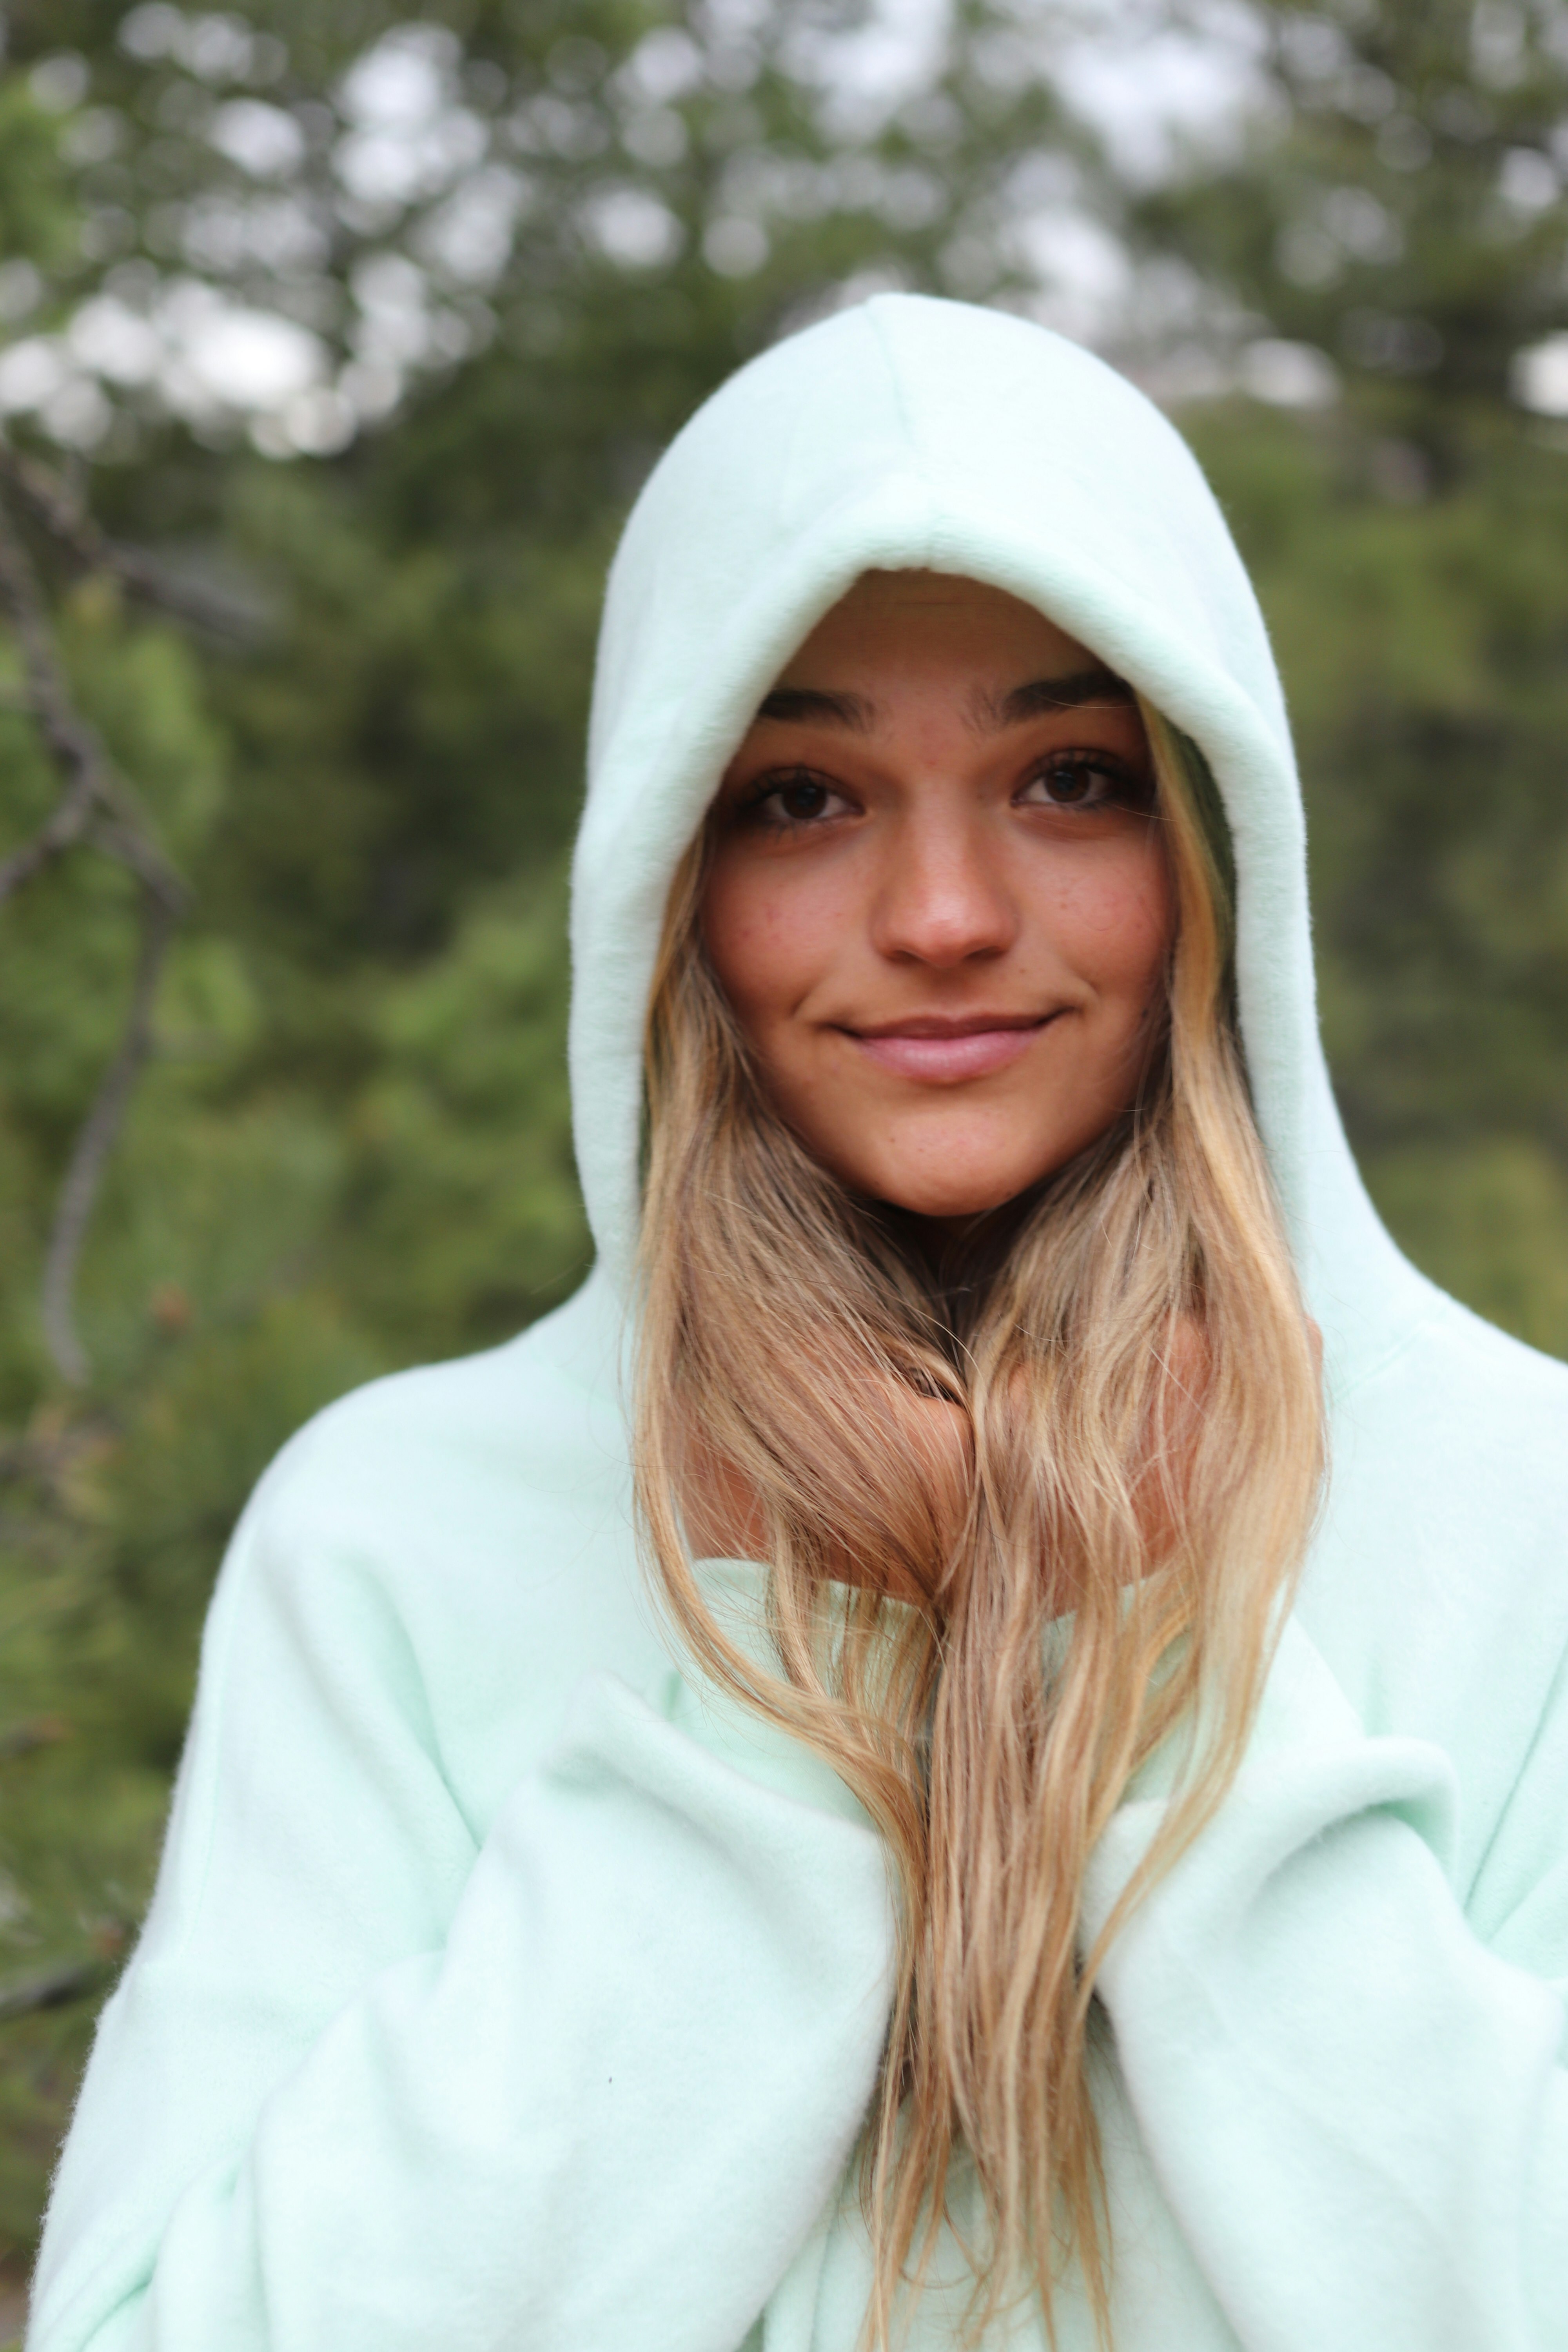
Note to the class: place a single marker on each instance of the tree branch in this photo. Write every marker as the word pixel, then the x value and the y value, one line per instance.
pixel 96 806
pixel 54 504
pixel 91 783
pixel 73 747
pixel 78 1193
pixel 65 825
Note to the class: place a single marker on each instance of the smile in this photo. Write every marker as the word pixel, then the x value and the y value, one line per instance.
pixel 944 1052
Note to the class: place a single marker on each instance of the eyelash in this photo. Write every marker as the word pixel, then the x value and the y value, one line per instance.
pixel 1127 787
pixel 768 787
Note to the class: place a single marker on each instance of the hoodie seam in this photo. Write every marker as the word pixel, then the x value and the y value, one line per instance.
pixel 1398 1347
pixel 1555 1690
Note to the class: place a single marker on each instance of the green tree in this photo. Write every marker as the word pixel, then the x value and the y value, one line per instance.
pixel 1398 203
pixel 1398 208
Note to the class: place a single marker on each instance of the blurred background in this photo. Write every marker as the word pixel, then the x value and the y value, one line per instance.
pixel 334 344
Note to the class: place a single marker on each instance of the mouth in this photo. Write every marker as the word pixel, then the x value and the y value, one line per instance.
pixel 944 1050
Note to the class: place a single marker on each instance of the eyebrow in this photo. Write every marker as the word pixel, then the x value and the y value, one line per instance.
pixel 1041 695
pixel 800 705
pixel 1075 689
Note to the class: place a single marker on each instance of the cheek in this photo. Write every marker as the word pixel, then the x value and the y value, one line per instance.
pixel 1115 922
pixel 767 938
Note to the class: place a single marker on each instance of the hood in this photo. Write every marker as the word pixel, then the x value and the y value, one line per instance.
pixel 910 433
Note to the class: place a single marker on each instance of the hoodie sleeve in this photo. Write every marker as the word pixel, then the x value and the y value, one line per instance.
pixel 372 2085
pixel 1357 2108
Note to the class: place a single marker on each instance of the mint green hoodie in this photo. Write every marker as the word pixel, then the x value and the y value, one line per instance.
pixel 505 1993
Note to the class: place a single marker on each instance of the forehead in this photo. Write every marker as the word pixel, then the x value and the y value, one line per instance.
pixel 889 617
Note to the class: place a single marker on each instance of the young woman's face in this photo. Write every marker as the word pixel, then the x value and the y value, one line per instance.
pixel 938 901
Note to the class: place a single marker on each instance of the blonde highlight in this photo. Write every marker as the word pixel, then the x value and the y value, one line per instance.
pixel 1134 1366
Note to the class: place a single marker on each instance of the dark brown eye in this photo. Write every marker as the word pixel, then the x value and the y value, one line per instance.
pixel 1071 783
pixel 1081 780
pixel 780 803
pixel 801 798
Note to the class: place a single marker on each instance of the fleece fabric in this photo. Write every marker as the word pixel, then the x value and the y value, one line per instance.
pixel 505 1993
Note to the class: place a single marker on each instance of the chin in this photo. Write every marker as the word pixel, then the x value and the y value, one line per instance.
pixel 946 1170
pixel 962 1211
pixel 950 1202
pixel 953 1188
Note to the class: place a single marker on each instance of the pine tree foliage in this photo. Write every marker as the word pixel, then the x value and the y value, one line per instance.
pixel 1398 208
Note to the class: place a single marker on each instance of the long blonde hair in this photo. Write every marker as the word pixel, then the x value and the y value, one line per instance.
pixel 1137 1369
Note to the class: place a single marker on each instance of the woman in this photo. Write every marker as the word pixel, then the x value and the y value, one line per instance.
pixel 509 1984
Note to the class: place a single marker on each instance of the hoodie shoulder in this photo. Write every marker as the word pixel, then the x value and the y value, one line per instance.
pixel 1464 1377
pixel 465 1527
pixel 541 1414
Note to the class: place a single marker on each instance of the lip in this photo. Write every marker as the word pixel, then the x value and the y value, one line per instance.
pixel 944 1052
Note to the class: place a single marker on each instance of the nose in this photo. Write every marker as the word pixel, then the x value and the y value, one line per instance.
pixel 941 899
